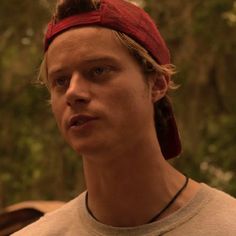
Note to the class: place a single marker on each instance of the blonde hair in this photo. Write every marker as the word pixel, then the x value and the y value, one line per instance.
pixel 146 61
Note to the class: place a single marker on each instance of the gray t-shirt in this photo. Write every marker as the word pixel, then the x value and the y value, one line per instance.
pixel 210 213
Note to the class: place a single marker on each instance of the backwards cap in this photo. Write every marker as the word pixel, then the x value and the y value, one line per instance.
pixel 127 18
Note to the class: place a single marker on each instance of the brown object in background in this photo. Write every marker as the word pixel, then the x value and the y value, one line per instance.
pixel 19 215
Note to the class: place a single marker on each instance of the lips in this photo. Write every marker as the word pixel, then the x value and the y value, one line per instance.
pixel 79 120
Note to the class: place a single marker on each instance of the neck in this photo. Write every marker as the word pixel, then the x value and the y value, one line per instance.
pixel 129 188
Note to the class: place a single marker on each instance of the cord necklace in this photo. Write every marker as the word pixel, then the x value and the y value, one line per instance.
pixel 170 202
pixel 160 212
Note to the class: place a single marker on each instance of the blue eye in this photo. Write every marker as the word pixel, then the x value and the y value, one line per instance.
pixel 61 82
pixel 99 71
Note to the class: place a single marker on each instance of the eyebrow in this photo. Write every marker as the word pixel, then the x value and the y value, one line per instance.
pixel 92 59
pixel 95 59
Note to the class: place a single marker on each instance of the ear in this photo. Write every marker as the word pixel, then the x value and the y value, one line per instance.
pixel 159 87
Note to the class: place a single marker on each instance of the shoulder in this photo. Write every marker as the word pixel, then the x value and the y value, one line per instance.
pixel 211 212
pixel 54 223
pixel 218 214
pixel 221 199
pixel 222 205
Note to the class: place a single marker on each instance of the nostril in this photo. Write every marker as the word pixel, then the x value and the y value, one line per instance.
pixel 76 99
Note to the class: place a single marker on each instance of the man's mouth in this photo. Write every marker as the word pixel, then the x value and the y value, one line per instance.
pixel 79 120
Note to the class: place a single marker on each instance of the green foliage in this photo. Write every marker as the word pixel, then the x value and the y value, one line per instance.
pixel 35 163
pixel 201 37
pixel 32 152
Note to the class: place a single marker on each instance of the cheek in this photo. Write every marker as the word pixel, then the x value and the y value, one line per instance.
pixel 129 103
pixel 57 110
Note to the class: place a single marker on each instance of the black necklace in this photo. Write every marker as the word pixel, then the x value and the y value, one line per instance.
pixel 170 202
pixel 159 213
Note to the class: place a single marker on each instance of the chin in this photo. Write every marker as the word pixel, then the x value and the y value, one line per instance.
pixel 91 148
pixel 84 148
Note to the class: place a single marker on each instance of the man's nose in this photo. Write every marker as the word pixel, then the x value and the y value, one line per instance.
pixel 78 91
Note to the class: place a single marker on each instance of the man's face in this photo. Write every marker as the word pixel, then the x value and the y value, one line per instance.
pixel 98 92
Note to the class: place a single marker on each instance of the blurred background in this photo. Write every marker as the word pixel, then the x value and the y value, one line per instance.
pixel 35 163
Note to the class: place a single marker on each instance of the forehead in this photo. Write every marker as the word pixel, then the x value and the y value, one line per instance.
pixel 84 35
pixel 86 42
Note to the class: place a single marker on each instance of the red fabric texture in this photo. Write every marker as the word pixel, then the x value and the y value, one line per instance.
pixel 127 18
pixel 121 16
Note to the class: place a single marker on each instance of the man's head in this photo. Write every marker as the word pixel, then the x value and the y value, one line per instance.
pixel 134 29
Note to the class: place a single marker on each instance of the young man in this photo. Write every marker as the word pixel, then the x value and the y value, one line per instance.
pixel 108 72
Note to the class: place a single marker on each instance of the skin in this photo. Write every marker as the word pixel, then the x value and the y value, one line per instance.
pixel 128 181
